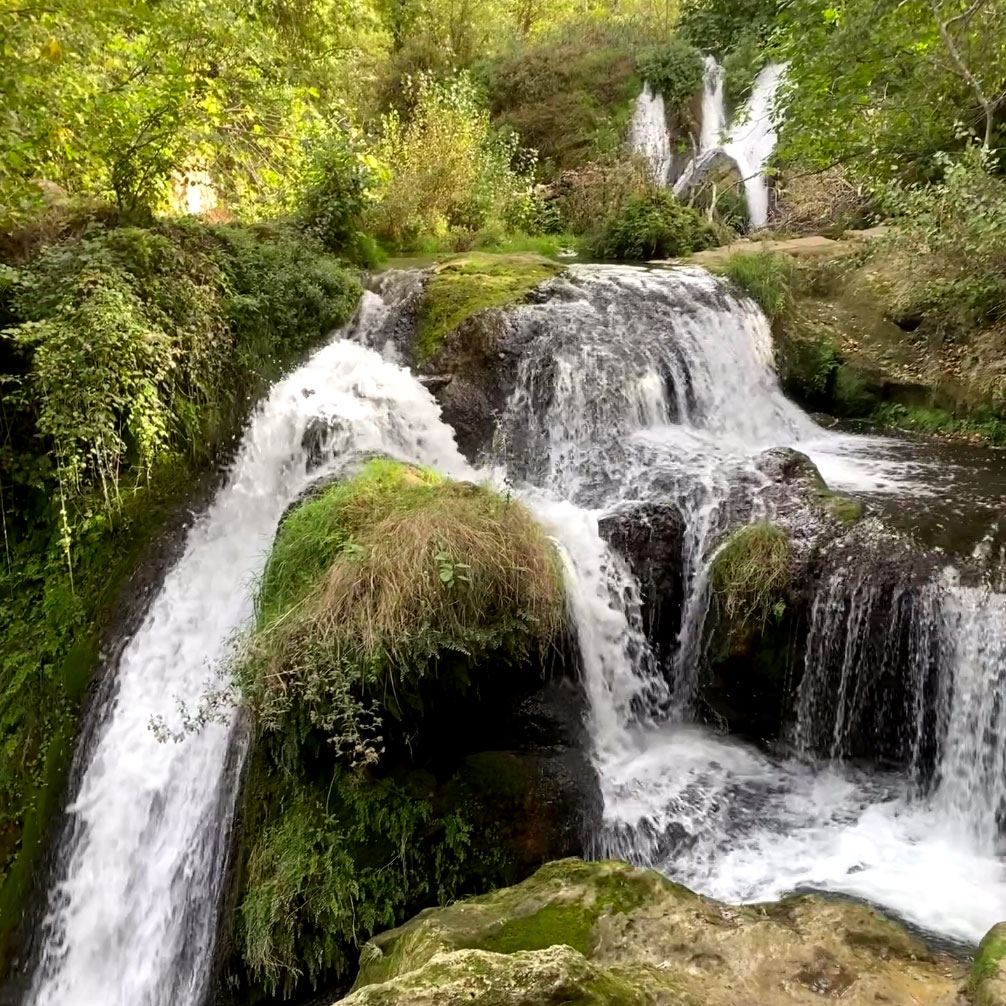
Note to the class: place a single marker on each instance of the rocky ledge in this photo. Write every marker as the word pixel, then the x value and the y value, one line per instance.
pixel 606 933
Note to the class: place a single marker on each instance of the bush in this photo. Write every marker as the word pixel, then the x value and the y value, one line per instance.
pixel 569 93
pixel 598 191
pixel 449 170
pixel 769 278
pixel 721 26
pixel 751 574
pixel 338 187
pixel 653 225
pixel 674 69
pixel 952 237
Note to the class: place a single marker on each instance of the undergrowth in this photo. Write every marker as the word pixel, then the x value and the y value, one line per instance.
pixel 463 287
pixel 769 278
pixel 129 359
pixel 653 225
pixel 383 593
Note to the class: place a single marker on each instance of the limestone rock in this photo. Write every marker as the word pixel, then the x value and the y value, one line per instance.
pixel 987 982
pixel 589 933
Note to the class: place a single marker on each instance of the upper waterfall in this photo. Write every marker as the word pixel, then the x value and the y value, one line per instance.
pixel 649 136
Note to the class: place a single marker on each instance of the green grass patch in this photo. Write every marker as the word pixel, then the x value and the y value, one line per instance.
pixel 769 278
pixel 984 426
pixel 465 286
pixel 751 574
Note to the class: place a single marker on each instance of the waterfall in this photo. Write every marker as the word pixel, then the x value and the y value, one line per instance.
pixel 634 386
pixel 748 143
pixel 631 389
pixel 132 917
pixel 714 114
pixel 649 136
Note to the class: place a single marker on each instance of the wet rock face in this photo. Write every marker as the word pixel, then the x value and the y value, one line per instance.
pixel 607 933
pixel 649 537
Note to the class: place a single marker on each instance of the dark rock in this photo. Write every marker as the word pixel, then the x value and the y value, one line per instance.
pixel 649 537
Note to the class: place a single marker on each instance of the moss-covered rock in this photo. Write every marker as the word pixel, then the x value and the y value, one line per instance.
pixel 465 286
pixel 588 933
pixel 407 750
pixel 987 981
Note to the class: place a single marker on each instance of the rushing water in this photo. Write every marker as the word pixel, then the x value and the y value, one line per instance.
pixel 635 385
pixel 649 136
pixel 132 919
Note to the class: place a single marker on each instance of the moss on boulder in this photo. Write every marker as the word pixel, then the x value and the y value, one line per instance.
pixel 589 933
pixel 465 286
pixel 987 981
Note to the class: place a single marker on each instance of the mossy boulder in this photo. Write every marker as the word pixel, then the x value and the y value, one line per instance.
pixel 462 347
pixel 987 981
pixel 588 933
pixel 409 748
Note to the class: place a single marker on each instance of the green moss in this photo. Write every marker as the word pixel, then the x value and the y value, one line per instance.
pixel 569 924
pixel 750 574
pixel 981 425
pixel 465 286
pixel 987 963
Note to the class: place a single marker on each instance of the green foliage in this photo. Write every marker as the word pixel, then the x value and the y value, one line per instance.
pixel 137 92
pixel 568 93
pixel 751 574
pixel 885 87
pixel 952 237
pixel 724 26
pixel 769 278
pixel 449 170
pixel 463 287
pixel 653 225
pixel 339 184
pixel 674 69
pixel 379 591
pixel 982 425
pixel 131 355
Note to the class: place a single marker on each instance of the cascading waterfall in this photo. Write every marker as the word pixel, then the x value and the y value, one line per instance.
pixel 637 385
pixel 714 113
pixel 634 386
pixel 649 136
pixel 748 143
pixel 132 918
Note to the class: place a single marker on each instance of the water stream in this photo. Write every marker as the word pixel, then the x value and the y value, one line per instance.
pixel 634 385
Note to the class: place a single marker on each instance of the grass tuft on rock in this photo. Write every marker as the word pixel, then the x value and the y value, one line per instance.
pixel 465 286
pixel 769 278
pixel 370 581
pixel 389 600
pixel 751 574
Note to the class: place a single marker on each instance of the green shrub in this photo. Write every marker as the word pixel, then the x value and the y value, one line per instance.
pixel 769 278
pixel 599 191
pixel 674 69
pixel 751 574
pixel 653 225
pixel 338 187
pixel 568 93
pixel 449 171
pixel 722 26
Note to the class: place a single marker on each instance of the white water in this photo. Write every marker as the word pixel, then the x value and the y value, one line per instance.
pixel 649 136
pixel 635 384
pixel 714 113
pixel 649 383
pixel 749 142
pixel 132 922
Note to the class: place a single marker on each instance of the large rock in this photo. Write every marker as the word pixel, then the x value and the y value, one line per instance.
pixel 590 933
pixel 987 982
